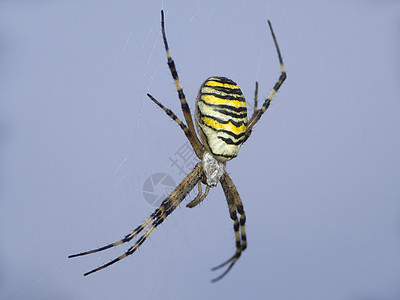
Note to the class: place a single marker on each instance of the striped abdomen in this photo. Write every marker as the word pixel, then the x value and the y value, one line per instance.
pixel 221 117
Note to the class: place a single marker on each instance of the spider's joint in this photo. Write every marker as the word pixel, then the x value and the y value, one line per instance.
pixel 213 169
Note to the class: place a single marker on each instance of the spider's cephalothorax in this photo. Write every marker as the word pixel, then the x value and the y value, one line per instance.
pixel 221 119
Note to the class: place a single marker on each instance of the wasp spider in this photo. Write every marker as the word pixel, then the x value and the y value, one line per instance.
pixel 221 121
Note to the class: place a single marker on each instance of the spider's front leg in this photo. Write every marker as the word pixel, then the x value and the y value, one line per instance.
pixel 234 205
pixel 282 77
pixel 191 134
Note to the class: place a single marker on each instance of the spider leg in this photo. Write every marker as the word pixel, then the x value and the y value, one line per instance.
pixel 171 114
pixel 193 139
pixel 199 193
pixel 255 98
pixel 127 238
pixel 259 112
pixel 234 205
pixel 159 215
pixel 141 240
pixel 166 208
pixel 255 105
pixel 199 198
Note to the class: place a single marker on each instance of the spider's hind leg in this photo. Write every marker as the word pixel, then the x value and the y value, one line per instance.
pixel 234 205
pixel 156 218
pixel 127 238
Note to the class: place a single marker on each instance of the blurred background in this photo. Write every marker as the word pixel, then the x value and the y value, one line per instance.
pixel 85 156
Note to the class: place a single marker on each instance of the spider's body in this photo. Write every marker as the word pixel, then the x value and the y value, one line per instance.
pixel 221 117
pixel 221 120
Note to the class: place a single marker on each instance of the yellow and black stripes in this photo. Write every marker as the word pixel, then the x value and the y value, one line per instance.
pixel 221 116
pixel 235 206
pixel 156 218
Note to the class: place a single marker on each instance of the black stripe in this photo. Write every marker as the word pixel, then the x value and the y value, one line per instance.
pixel 221 155
pixel 155 214
pixel 236 136
pixel 168 208
pixel 224 106
pixel 266 104
pixel 228 96
pixel 224 155
pixel 181 94
pixel 237 124
pixel 172 68
pixel 231 142
pixel 226 90
pixel 222 80
pixel 139 242
pixel 232 113
pixel 235 224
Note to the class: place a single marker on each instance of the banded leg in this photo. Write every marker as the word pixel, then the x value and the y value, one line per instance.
pixel 162 213
pixel 171 114
pixel 127 238
pixel 159 215
pixel 234 205
pixel 199 198
pixel 240 210
pixel 258 113
pixel 255 98
pixel 255 106
pixel 193 139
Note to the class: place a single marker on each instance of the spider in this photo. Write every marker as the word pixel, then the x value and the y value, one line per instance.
pixel 221 121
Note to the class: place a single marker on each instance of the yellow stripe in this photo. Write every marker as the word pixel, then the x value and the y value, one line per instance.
pixel 217 83
pixel 228 127
pixel 214 100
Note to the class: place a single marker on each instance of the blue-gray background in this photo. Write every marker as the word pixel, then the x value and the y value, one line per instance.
pixel 319 177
